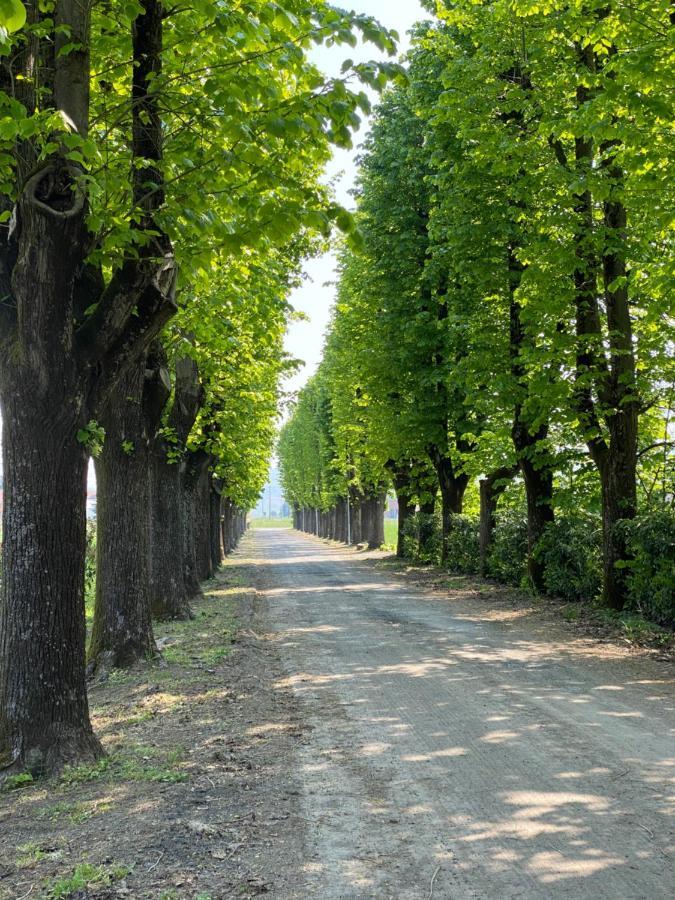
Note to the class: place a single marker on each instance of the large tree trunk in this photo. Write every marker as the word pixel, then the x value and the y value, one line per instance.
pixel 58 368
pixel 215 530
pixel 44 715
pixel 611 371
pixel 44 718
pixel 534 459
pixel 228 525
pixel 491 489
pixel 619 501
pixel 453 487
pixel 358 517
pixel 195 476
pixel 373 532
pixel 169 596
pixel 537 471
pixel 203 525
pixel 122 629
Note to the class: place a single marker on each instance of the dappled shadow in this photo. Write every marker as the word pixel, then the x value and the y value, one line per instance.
pixel 196 745
pixel 520 762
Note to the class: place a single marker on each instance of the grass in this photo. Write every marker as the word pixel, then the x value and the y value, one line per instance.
pixel 15 782
pixel 83 877
pixel 150 718
pixel 137 763
pixel 271 523
pixel 390 533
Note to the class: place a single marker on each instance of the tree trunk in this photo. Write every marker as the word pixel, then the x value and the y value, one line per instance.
pixel 122 629
pixel 619 502
pixel 214 528
pixel 203 525
pixel 612 372
pixel 373 533
pixel 44 714
pixel 58 366
pixel 536 463
pixel 406 508
pixel 490 492
pixel 453 488
pixel 227 525
pixel 169 595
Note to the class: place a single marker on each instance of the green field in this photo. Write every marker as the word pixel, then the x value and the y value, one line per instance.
pixel 390 533
pixel 271 523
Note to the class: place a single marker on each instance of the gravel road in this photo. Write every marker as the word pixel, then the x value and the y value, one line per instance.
pixel 455 750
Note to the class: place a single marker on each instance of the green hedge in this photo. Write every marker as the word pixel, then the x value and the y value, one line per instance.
pixel 571 549
pixel 651 578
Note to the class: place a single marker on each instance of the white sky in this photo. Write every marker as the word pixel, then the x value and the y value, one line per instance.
pixel 315 298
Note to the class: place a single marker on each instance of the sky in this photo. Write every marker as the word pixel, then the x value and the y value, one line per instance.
pixel 315 297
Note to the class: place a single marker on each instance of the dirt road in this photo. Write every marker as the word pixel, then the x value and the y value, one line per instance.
pixel 455 751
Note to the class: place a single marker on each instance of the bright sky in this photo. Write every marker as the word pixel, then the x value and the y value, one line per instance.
pixel 315 297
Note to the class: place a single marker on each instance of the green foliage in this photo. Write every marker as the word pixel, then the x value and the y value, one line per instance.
pixel 571 550
pixel 507 560
pixel 12 17
pixel 459 327
pixel 84 877
pixel 651 540
pixel 422 537
pixel 462 555
pixel 90 571
pixel 247 124
pixel 92 437
pixel 16 782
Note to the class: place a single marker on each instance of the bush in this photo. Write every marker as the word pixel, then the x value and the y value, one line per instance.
pixel 463 555
pixel 507 560
pixel 90 570
pixel 571 551
pixel 422 537
pixel 651 577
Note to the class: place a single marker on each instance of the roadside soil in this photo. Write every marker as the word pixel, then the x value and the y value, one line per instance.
pixel 333 725
pixel 197 796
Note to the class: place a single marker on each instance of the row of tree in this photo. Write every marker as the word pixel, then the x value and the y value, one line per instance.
pixel 506 329
pixel 159 185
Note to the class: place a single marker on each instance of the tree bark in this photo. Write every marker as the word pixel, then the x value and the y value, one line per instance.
pixel 612 373
pixel 534 458
pixel 61 366
pixel 537 472
pixel 44 713
pixel 490 491
pixel 122 629
pixel 214 529
pixel 194 480
pixel 169 595
pixel 373 531
pixel 453 487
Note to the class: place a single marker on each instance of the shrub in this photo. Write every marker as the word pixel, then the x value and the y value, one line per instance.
pixel 507 560
pixel 422 537
pixel 90 570
pixel 571 550
pixel 463 554
pixel 651 577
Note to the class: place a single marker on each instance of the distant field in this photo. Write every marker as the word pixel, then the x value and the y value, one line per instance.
pixel 271 523
pixel 390 528
pixel 390 533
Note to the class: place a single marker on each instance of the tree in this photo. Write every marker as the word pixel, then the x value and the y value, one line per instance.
pixel 94 221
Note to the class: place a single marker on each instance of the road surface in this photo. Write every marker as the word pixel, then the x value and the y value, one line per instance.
pixel 458 749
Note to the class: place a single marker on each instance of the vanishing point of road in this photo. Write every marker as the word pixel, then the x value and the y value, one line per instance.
pixel 462 748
